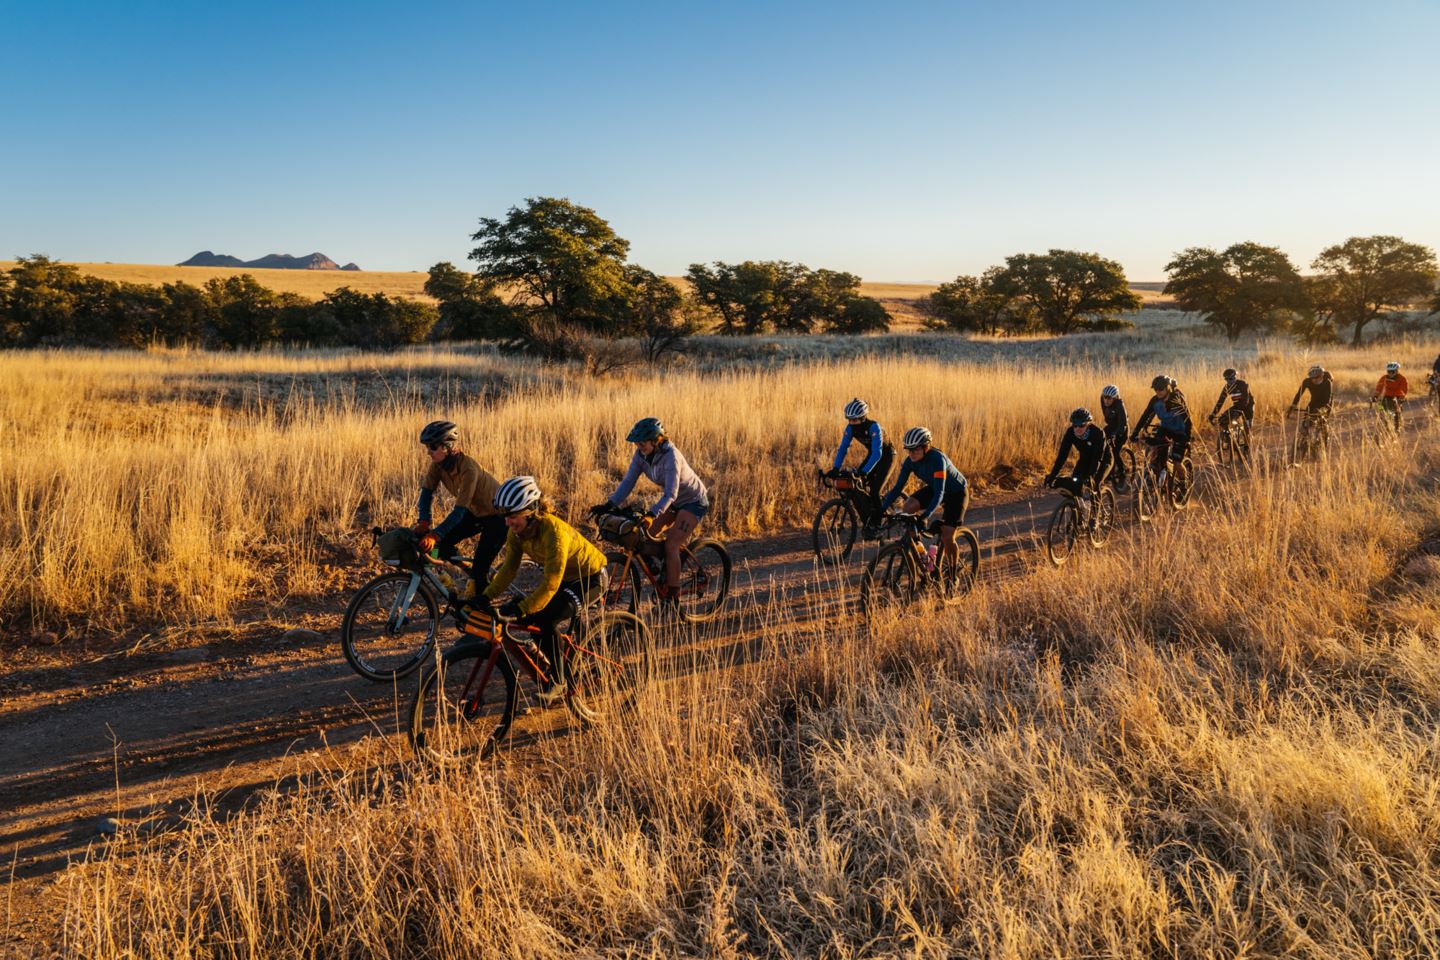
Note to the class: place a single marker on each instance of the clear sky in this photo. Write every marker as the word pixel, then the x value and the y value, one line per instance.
pixel 901 141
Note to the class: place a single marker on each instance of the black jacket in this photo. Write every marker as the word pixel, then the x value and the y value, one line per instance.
pixel 1117 421
pixel 1091 447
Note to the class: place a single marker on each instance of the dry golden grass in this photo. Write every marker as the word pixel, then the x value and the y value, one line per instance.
pixel 1211 740
pixel 174 484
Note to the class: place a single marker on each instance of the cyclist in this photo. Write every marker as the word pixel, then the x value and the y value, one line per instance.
pixel 1173 413
pixel 573 570
pixel 878 458
pixel 683 501
pixel 1321 386
pixel 473 489
pixel 1242 403
pixel 947 492
pixel 1117 425
pixel 1390 390
pixel 1093 463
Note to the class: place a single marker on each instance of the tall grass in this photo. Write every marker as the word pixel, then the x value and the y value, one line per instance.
pixel 1216 738
pixel 173 484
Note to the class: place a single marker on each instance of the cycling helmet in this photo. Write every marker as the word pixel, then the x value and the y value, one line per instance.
pixel 1080 416
pixel 1110 391
pixel 1392 367
pixel 1316 371
pixel 439 431
pixel 1229 374
pixel 856 409
pixel 517 494
pixel 647 428
pixel 1161 382
pixel 916 437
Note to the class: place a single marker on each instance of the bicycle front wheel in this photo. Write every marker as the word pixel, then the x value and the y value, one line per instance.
pixel 1102 524
pixel 704 580
pixel 1181 484
pixel 834 530
pixel 608 667
pixel 465 704
pixel 1064 531
pixel 1147 494
pixel 891 580
pixel 387 630
pixel 958 576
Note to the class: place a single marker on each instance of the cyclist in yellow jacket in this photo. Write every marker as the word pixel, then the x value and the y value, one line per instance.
pixel 573 570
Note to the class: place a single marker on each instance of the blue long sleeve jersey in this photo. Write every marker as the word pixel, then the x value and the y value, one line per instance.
pixel 935 469
pixel 870 434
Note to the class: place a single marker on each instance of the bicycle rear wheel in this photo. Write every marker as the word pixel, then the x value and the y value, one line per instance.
pixel 1063 532
pixel 465 704
pixel 1102 524
pixel 704 580
pixel 608 667
pixel 834 530
pixel 387 632
pixel 958 576
pixel 1180 484
pixel 891 580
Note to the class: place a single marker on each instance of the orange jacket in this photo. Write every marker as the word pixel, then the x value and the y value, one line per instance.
pixel 1392 388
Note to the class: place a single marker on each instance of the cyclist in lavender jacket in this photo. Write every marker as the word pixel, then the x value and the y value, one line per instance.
pixel 683 501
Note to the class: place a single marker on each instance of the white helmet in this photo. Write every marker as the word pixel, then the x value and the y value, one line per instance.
pixel 856 409
pixel 517 494
pixel 1316 370
pixel 1110 390
pixel 1392 367
pixel 916 437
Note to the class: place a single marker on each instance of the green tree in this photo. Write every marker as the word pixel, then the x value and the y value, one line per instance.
pixel 8 335
pixel 42 299
pixel 656 312
pixel 374 321
pixel 1366 276
pixel 1246 287
pixel 470 308
pixel 1067 289
pixel 755 296
pixel 976 304
pixel 561 256
pixel 244 314
pixel 859 315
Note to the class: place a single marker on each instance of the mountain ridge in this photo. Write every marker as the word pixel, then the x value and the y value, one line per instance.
pixel 271 261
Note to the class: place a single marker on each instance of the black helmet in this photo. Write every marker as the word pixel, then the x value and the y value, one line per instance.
pixel 647 428
pixel 1080 416
pixel 1229 374
pixel 439 431
pixel 1161 382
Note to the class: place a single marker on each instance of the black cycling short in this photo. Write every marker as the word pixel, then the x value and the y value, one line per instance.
pixel 952 509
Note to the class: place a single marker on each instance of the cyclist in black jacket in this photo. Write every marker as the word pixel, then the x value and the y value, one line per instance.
pixel 1242 403
pixel 1117 431
pixel 1321 386
pixel 1094 461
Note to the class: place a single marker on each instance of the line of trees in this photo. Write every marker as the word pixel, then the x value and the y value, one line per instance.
pixel 1062 291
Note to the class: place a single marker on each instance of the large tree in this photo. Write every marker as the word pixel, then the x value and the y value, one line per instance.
pixel 470 307
pixel 975 304
pixel 561 257
pixel 1366 276
pixel 1246 287
pixel 1068 290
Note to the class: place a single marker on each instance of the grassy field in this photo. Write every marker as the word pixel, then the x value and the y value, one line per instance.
pixel 1216 739
pixel 174 485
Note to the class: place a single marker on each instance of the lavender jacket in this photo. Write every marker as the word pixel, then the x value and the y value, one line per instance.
pixel 667 468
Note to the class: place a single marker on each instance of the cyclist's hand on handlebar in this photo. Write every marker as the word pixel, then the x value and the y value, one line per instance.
pixel 427 542
pixel 600 509
pixel 508 612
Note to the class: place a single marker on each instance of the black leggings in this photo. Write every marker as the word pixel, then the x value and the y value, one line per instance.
pixel 572 597
pixel 492 539
pixel 875 479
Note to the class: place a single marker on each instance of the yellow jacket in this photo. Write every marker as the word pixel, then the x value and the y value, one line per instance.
pixel 559 548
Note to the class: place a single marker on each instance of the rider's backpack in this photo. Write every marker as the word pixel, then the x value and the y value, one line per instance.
pixel 400 547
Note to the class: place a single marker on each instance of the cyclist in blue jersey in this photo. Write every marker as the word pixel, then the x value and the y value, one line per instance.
pixel 946 490
pixel 1172 413
pixel 878 456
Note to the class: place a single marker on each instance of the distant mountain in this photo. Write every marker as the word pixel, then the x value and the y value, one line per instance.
pixel 273 261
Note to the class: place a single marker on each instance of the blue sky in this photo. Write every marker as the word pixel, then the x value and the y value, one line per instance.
pixel 906 141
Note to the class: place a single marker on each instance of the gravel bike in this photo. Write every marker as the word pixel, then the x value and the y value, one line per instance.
pixel 469 699
pixel 1094 515
pixel 1160 478
pixel 1232 441
pixel 1387 412
pixel 844 518
pixel 906 568
pixel 704 568
pixel 1312 436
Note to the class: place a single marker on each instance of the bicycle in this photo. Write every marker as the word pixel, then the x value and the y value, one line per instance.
pixel 1232 441
pixel 473 691
pixel 1312 436
pixel 704 568
pixel 391 623
pixel 838 522
pixel 1094 515
pixel 1159 481
pixel 1387 419
pixel 905 568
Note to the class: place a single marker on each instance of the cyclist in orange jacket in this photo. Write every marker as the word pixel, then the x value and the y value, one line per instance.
pixel 1390 390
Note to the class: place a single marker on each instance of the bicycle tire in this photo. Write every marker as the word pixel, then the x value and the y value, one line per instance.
pixel 834 530
pixel 1103 524
pixel 892 578
pixel 1180 485
pixel 1225 447
pixel 608 667
pixel 704 580
pixel 623 590
pixel 447 719
pixel 387 657
pixel 956 585
pixel 1147 496
pixel 1063 531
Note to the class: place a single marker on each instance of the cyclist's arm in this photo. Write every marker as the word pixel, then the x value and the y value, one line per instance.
pixel 1145 418
pixel 937 487
pixel 557 540
pixel 427 498
pixel 1224 392
pixel 1066 442
pixel 906 469
pixel 627 484
pixel 877 446
pixel 450 522
pixel 1122 422
pixel 1304 385
pixel 1403 384
pixel 669 481
pixel 505 575
pixel 844 448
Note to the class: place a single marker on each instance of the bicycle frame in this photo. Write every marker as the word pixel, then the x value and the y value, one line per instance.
pixel 852 489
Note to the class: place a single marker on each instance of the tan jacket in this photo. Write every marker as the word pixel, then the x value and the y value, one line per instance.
pixel 471 486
